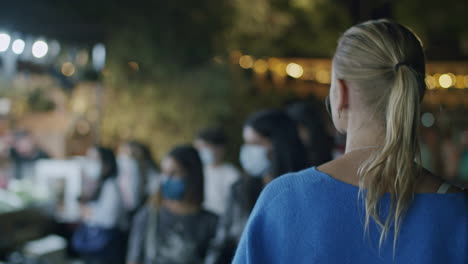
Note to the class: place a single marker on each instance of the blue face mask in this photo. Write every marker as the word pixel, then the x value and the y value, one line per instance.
pixel 254 160
pixel 173 189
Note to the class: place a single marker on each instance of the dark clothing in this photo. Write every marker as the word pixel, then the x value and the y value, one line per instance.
pixel 244 194
pixel 179 238
pixel 24 165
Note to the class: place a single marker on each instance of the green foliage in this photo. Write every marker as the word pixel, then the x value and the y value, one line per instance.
pixel 170 111
pixel 178 89
pixel 440 25
pixel 38 101
pixel 287 27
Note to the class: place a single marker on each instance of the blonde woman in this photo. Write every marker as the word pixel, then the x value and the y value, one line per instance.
pixel 375 204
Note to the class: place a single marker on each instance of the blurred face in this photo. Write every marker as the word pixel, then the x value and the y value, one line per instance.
pixel 173 186
pixel 256 153
pixel 172 169
pixel 25 145
pixel 209 153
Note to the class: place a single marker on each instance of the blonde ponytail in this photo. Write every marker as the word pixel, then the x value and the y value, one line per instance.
pixel 391 168
pixel 385 61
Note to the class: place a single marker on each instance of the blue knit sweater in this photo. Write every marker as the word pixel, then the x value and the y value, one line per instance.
pixel 310 217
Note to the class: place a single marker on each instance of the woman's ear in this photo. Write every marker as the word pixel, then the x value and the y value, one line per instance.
pixel 343 95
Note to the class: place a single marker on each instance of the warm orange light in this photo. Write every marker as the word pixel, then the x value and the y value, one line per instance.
pixel 68 69
pixel 323 76
pixel 431 82
pixel 134 66
pixel 445 80
pixel 460 82
pixel 246 62
pixel 261 66
pixel 294 70
pixel 82 57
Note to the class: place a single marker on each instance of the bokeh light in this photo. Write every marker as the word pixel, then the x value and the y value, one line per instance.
pixel 431 82
pixel 261 66
pixel 134 66
pixel 323 76
pixel 18 46
pixel 68 69
pixel 445 81
pixel 99 56
pixel 428 119
pixel 82 57
pixel 294 70
pixel 40 49
pixel 460 82
pixel 4 42
pixel 246 62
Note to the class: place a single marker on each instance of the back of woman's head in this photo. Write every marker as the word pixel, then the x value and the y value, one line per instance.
pixel 187 157
pixel 384 62
pixel 289 153
pixel 319 143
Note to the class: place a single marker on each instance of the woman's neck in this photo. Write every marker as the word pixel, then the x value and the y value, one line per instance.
pixel 364 138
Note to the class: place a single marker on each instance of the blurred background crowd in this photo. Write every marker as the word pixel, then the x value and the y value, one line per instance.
pixel 143 131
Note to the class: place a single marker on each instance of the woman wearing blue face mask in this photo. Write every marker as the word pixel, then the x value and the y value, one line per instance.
pixel 174 228
pixel 272 147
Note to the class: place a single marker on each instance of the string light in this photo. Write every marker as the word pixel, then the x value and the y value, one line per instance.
pixel 459 82
pixel 68 69
pixel 323 76
pixel 445 81
pixel 261 66
pixel 18 46
pixel 40 49
pixel 4 42
pixel 246 62
pixel 431 82
pixel 281 68
pixel 294 70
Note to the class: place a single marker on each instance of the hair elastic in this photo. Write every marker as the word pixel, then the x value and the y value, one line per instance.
pixel 397 66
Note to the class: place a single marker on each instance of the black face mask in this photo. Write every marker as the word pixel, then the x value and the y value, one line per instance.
pixel 328 106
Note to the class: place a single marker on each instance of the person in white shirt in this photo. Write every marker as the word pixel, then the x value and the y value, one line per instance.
pixel 219 174
pixel 138 176
pixel 102 208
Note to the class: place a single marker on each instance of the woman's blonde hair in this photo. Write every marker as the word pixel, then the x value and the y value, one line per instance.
pixel 385 62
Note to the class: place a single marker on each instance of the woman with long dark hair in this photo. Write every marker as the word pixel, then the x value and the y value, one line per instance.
pixel 174 227
pixel 101 237
pixel 272 147
pixel 138 175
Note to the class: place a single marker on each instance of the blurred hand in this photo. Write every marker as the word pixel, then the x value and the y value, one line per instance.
pixel 85 212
